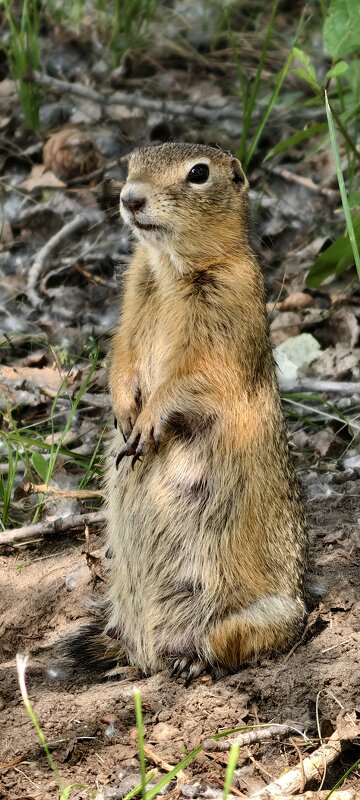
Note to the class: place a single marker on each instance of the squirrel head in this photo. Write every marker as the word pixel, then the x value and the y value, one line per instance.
pixel 187 201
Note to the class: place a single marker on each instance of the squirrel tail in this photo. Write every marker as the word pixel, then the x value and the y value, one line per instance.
pixel 90 652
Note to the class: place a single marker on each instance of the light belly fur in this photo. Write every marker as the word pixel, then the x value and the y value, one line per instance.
pixel 165 580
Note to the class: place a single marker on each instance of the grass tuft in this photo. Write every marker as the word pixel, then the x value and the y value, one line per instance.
pixel 22 50
pixel 341 182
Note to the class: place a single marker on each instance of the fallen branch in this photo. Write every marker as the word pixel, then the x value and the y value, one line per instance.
pixel 318 385
pixel 99 400
pixel 245 738
pixel 228 111
pixel 215 794
pixel 97 173
pixel 42 259
pixel 42 488
pixel 292 177
pixel 19 466
pixel 313 766
pixel 173 107
pixel 30 533
pixel 342 794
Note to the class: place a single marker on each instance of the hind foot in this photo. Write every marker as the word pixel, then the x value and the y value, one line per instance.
pixel 192 668
pixel 189 667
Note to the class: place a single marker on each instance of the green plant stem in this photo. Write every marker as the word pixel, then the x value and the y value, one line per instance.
pixel 340 177
pixel 230 769
pixel 249 107
pixel 21 662
pixel 258 133
pixel 140 733
pixel 323 8
pixel 343 777
pixel 56 450
pixel 172 774
pixel 346 136
pixel 244 86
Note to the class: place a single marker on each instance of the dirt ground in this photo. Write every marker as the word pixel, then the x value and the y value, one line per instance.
pixel 91 727
pixel 185 87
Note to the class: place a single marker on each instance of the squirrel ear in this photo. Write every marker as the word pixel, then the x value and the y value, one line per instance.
pixel 238 177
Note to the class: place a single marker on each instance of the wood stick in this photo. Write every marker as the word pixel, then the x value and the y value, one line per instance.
pixel 228 111
pixel 42 258
pixel 313 766
pixel 293 177
pixel 318 385
pixel 244 738
pixel 160 762
pixel 339 794
pixel 42 488
pixel 30 533
pixel 176 108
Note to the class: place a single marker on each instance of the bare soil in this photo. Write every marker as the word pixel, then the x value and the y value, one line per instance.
pixel 90 726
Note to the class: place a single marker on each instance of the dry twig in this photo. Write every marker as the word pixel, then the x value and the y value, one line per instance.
pixel 42 488
pixel 160 762
pixel 341 794
pixel 30 533
pixel 245 738
pixel 177 108
pixel 301 180
pixel 313 766
pixel 41 261
pixel 319 385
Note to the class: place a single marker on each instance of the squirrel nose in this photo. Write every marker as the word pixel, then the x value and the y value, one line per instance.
pixel 133 203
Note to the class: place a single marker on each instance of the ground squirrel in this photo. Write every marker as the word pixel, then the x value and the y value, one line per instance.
pixel 206 523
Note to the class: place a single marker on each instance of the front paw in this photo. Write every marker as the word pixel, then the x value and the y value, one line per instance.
pixel 125 421
pixel 127 407
pixel 144 437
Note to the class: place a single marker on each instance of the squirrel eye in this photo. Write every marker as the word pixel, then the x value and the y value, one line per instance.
pixel 198 174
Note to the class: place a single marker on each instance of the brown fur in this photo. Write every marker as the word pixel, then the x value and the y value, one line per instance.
pixel 205 518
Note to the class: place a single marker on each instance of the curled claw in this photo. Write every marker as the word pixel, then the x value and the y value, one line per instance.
pixel 195 669
pixel 137 445
pixel 179 667
pixel 129 449
pixel 136 457
pixel 189 667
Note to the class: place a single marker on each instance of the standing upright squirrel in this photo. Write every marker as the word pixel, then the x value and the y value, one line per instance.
pixel 205 520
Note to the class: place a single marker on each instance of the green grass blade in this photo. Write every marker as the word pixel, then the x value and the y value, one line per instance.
pixel 250 104
pixel 343 777
pixel 230 769
pixel 258 133
pixel 173 773
pixel 280 80
pixel 140 733
pixel 21 662
pixel 335 260
pixel 340 177
pixel 296 138
pixel 137 789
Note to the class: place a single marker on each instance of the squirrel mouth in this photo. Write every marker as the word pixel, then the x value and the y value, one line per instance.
pixel 148 227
